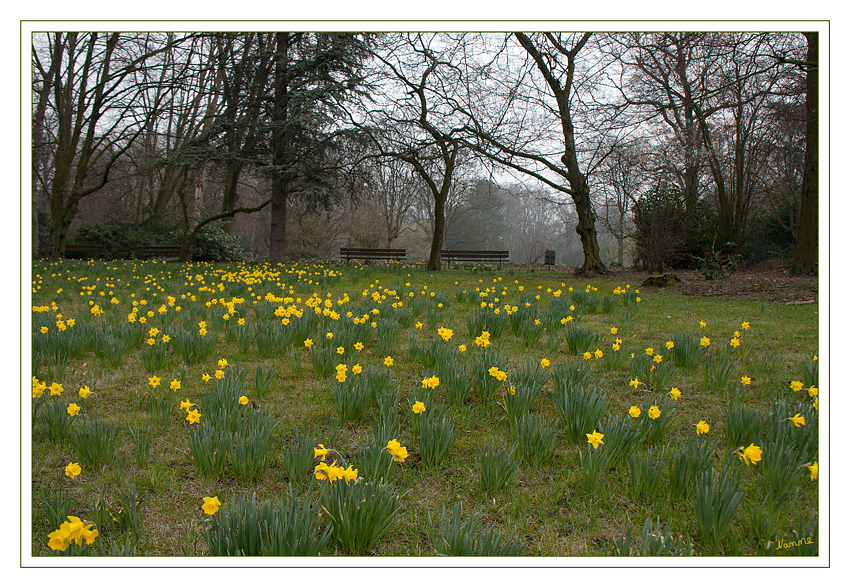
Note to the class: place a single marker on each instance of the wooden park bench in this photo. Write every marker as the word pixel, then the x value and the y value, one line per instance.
pixel 499 257
pixel 157 251
pixel 349 253
pixel 86 251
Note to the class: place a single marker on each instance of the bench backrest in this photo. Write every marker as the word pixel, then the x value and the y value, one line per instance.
pixel 475 255
pixel 368 253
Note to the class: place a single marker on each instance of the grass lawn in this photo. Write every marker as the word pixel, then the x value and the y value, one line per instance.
pixel 751 368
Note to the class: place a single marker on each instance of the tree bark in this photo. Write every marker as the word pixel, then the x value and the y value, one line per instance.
pixel 435 259
pixel 579 190
pixel 280 182
pixel 806 250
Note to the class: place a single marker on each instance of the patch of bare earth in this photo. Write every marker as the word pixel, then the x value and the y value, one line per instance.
pixel 768 283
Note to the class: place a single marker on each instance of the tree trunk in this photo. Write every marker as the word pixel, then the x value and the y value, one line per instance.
pixel 620 244
pixel 806 251
pixel 277 246
pixel 229 202
pixel 587 232
pixel 434 261
pixel 280 182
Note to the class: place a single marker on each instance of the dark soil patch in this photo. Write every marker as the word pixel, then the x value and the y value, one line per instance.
pixel 771 282
pixel 768 282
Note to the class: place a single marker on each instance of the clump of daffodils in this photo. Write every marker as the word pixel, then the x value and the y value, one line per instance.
pixel 73 530
pixel 398 452
pixel 497 373
pixel 332 472
pixel 431 382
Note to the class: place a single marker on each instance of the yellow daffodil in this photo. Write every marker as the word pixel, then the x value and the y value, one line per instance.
pixel 418 407
pixel 705 341
pixel 72 470
pixel 750 455
pixel 388 361
pixel 243 400
pixel 796 386
pixel 73 409
pixel 193 416
pixel 84 392
pixel 595 439
pixel 746 380
pixel 813 391
pixel 702 428
pixel 675 393
pixel 320 452
pixel 634 382
pixel 796 419
pixel 211 504
pixel 175 384
pixel 400 454
pixel 654 412
pixel 153 381
pixel 669 345
pixel 814 471
pixel 634 412
pixel 613 330
pixel 349 474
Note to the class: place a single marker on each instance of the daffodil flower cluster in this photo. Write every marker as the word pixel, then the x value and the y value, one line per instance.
pixel 331 472
pixel 498 374
pixel 72 530
pixel 395 449
pixel 431 382
pixel 192 415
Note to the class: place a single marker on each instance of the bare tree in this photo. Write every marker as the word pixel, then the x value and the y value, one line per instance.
pixel 806 251
pixel 419 121
pixel 623 176
pixel 711 91
pixel 95 114
pixel 524 109
pixel 393 189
